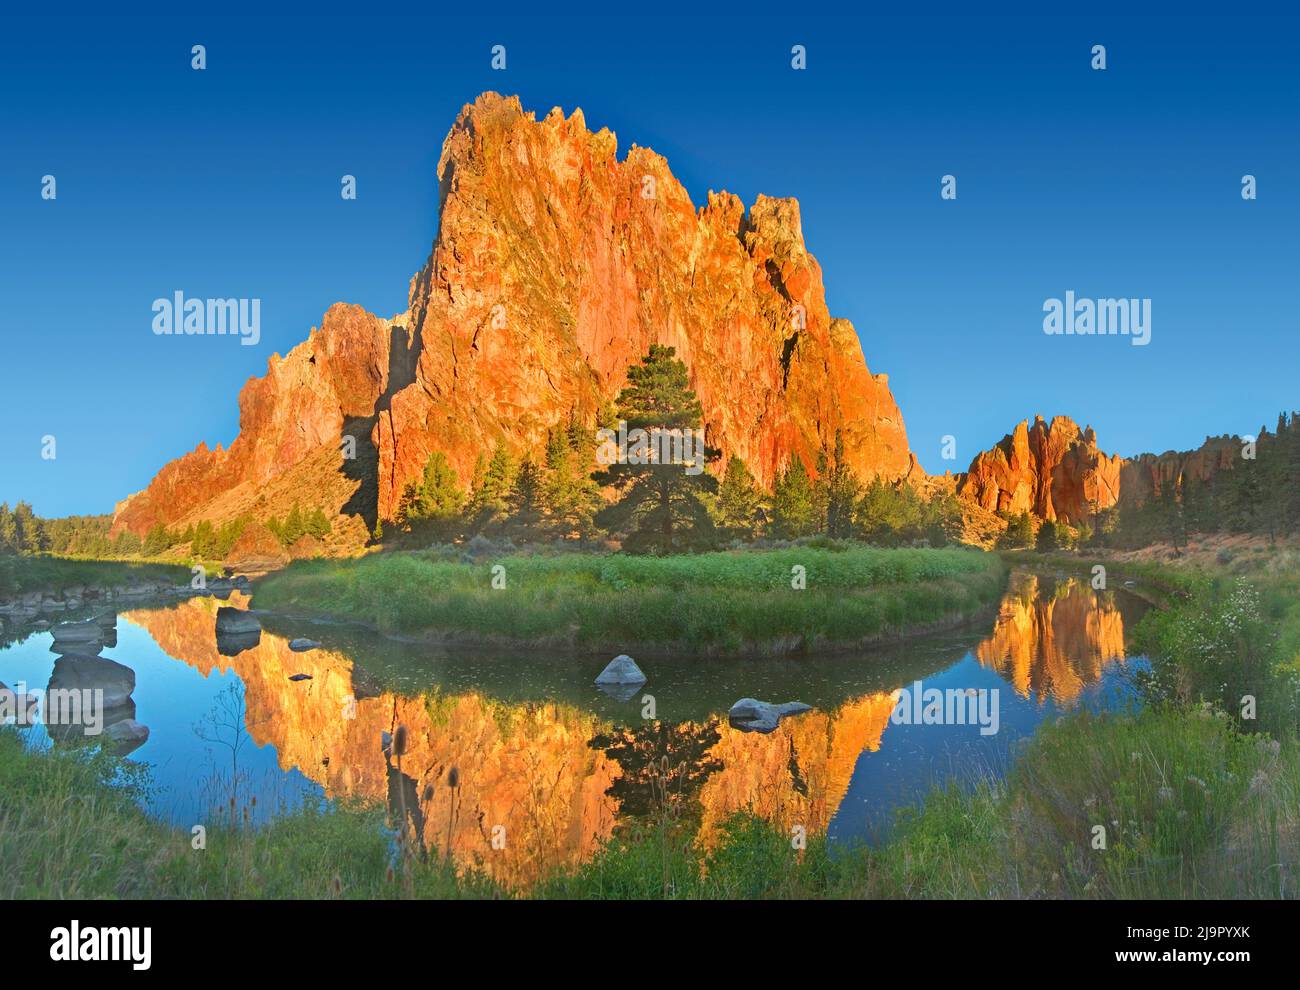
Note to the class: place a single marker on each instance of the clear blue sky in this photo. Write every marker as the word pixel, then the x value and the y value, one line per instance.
pixel 226 183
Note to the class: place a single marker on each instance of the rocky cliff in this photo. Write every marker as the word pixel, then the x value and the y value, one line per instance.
pixel 1056 471
pixel 1052 470
pixel 555 266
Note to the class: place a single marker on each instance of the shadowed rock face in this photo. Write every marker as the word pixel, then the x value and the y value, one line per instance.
pixel 556 265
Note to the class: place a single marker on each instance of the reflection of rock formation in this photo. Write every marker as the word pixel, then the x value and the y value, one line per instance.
pixel 555 778
pixel 1054 642
pixel 527 768
pixel 799 774
pixel 551 775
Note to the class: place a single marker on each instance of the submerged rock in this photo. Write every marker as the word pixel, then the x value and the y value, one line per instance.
pixel 77 633
pixel 300 677
pixel 236 622
pixel 127 735
pixel 233 644
pixel 303 645
pixel 751 715
pixel 621 670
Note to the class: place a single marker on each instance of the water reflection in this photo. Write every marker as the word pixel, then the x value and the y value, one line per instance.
pixel 526 751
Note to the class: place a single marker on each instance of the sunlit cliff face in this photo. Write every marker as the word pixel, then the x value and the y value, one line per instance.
pixel 1054 642
pixel 550 782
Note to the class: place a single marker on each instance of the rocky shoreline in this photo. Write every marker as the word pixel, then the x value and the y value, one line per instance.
pixel 38 608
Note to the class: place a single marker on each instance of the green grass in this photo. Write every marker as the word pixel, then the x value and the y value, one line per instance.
pixel 721 603
pixel 21 574
pixel 1192 808
pixel 74 821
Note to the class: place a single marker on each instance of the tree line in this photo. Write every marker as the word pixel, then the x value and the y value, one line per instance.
pixel 659 507
pixel 1258 495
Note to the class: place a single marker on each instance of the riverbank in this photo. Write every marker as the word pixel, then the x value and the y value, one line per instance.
pixel 742 603
pixel 35 578
pixel 1188 807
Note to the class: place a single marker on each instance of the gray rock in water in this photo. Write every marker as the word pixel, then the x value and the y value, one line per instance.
pixel 303 645
pixel 750 715
pixel 127 735
pixel 621 670
pixel 236 622
pixel 233 644
pixel 300 677
pixel 82 672
pixel 74 633
pixel 106 621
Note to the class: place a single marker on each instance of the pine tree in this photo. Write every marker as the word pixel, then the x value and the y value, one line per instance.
pixel 835 491
pixel 794 510
pixel 294 526
pixel 1019 532
pixel 661 505
pixel 490 499
pixel 8 530
pixel 156 540
pixel 570 497
pixel 739 501
pixel 1046 541
pixel 525 508
pixel 432 506
pixel 318 524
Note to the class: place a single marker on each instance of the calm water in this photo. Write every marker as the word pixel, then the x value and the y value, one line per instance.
pixel 542 753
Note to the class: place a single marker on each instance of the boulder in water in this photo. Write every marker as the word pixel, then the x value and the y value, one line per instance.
pixel 751 715
pixel 236 622
pixel 77 633
pixel 127 735
pixel 622 670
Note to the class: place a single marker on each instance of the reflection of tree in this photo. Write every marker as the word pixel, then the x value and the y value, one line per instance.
pixel 650 753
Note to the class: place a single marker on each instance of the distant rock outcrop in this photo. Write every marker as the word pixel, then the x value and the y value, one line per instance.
pixel 1051 470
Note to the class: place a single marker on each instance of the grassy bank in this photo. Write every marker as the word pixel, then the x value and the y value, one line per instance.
pixel 721 603
pixel 22 574
pixel 1191 808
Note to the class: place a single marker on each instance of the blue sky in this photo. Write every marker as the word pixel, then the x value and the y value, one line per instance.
pixel 226 183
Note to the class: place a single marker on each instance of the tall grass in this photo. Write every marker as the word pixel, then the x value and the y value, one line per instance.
pixel 741 602
pixel 20 574
pixel 1191 808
